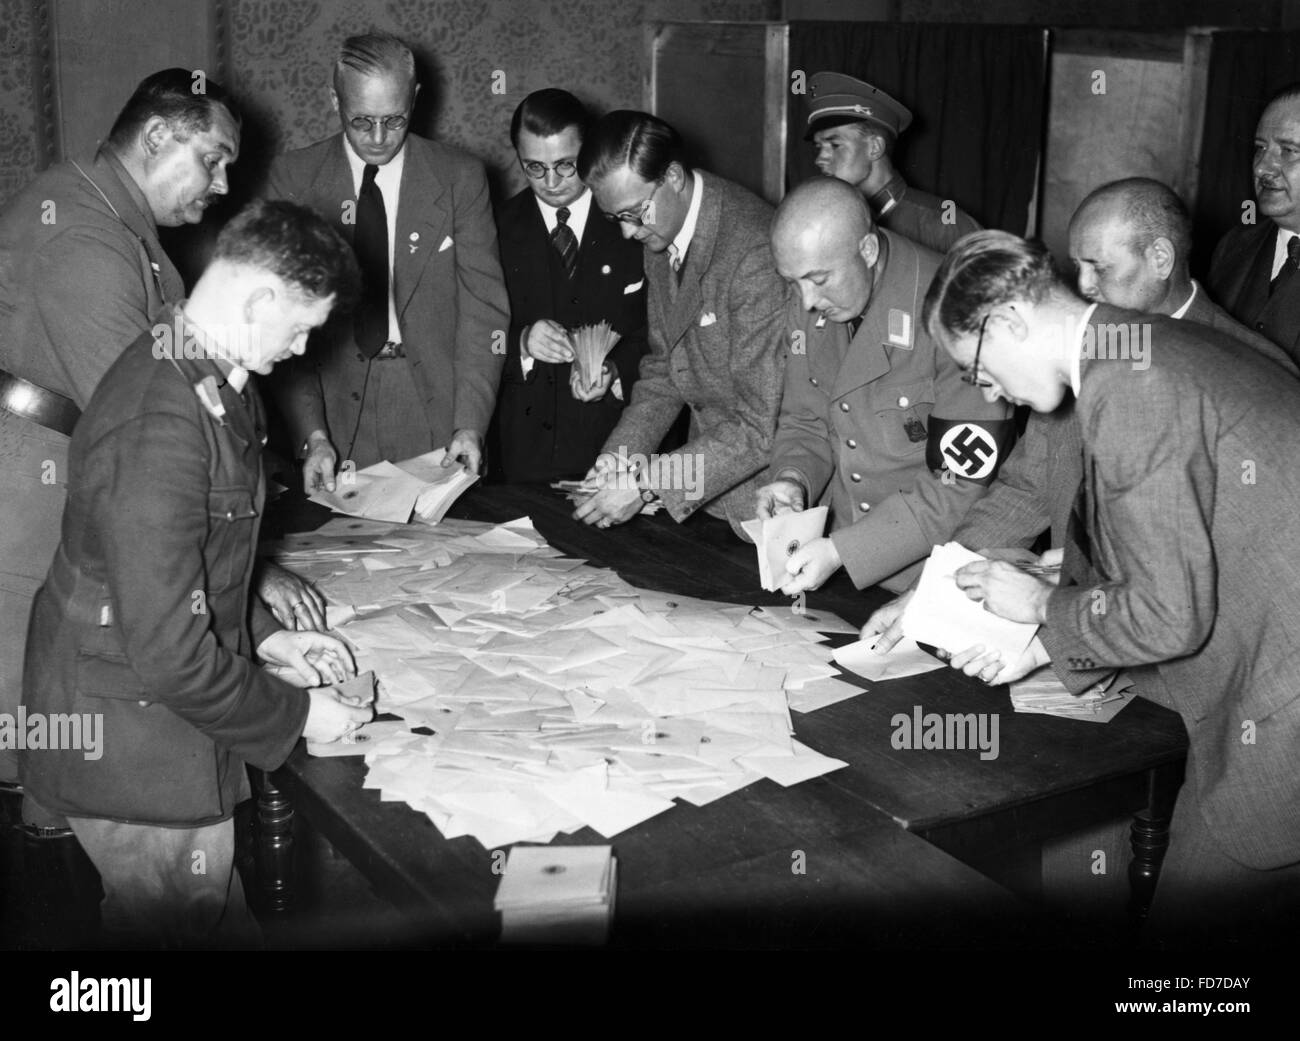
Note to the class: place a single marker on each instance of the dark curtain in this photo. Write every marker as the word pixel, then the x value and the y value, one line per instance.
pixel 1245 69
pixel 978 100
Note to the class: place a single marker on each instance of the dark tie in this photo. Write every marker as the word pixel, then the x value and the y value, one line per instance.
pixel 564 241
pixel 1288 269
pixel 370 243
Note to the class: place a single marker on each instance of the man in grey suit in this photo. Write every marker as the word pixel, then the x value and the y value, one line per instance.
pixel 1254 267
pixel 716 333
pixel 1187 519
pixel 416 366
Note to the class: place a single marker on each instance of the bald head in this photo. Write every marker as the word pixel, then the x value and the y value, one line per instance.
pixel 825 245
pixel 1129 242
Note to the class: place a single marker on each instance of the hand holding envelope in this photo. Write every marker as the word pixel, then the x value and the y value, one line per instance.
pixel 778 538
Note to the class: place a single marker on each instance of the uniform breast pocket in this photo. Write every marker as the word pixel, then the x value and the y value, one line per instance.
pixel 231 517
pixel 903 416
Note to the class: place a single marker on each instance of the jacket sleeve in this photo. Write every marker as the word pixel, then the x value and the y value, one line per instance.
pixel 803 439
pixel 904 526
pixel 156 497
pixel 1159 493
pixel 91 301
pixel 1015 511
pixel 482 307
pixel 739 447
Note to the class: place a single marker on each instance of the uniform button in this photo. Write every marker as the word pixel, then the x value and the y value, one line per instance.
pixel 574 300
pixel 851 443
pixel 1259 326
pixel 844 406
pixel 864 506
pixel 855 478
pixel 812 380
pixel 903 402
pixel 143 704
pixel 230 515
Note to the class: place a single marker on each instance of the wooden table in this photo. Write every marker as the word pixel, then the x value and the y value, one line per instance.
pixel 725 873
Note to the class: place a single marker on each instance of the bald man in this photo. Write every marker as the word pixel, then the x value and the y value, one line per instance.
pixel 875 420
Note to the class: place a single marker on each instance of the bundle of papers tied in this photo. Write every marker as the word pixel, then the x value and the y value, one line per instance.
pixel 591 345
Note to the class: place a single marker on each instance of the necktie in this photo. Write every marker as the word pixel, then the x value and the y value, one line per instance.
pixel 1289 266
pixel 564 241
pixel 370 243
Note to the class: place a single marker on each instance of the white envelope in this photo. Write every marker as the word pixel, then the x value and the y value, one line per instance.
pixel 777 538
pixel 940 614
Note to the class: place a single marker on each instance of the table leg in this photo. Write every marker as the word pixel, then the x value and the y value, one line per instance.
pixel 1150 838
pixel 274 844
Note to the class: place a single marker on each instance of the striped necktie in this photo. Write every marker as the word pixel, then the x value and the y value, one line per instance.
pixel 1287 271
pixel 564 241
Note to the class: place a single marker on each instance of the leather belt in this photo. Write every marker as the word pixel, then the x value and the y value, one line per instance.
pixel 42 407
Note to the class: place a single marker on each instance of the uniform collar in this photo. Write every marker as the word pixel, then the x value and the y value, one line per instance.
pixel 889 196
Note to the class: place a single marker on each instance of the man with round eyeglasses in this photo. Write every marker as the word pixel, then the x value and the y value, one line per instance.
pixel 564 268
pixel 416 366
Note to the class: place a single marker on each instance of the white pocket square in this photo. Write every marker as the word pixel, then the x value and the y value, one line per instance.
pixel 446 244
pixel 633 287
pixel 708 318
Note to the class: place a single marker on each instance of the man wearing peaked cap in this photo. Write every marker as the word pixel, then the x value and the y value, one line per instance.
pixel 855 127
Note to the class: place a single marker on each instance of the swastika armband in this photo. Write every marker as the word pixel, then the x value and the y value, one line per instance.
pixel 970 449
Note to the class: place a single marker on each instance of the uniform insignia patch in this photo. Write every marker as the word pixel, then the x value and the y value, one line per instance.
pixel 900 328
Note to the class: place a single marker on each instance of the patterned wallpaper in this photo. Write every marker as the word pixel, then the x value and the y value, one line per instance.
pixel 18 109
pixel 477 59
pixel 281 53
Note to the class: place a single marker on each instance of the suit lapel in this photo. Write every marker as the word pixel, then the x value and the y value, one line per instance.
pixel 1256 274
pixel 334 181
pixel 423 220
pixel 685 308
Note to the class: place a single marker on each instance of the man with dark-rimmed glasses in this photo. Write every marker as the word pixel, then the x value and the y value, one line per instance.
pixel 416 366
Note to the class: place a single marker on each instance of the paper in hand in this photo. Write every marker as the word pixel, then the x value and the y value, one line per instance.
pixel 442 486
pixel 591 344
pixel 778 538
pixel 941 614
pixel 905 658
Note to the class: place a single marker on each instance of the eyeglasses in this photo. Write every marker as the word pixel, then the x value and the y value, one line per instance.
pixel 536 170
pixel 638 218
pixel 366 124
pixel 973 376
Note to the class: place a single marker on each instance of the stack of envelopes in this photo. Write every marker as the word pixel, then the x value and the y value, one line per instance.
pixel 545 695
pixel 557 894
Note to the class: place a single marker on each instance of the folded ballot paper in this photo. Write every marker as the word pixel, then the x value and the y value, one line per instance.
pixel 391 491
pixel 940 614
pixel 777 538
pixel 557 894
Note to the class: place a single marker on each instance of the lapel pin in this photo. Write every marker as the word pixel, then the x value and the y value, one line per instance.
pixel 605 269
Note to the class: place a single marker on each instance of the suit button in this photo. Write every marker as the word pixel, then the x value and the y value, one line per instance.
pixel 813 380
pixel 143 704
pixel 573 300
pixel 361 356
pixel 903 402
pixel 1259 326
pixel 356 396
pixel 547 426
pixel 864 506
pixel 855 478
pixel 851 443
pixel 844 406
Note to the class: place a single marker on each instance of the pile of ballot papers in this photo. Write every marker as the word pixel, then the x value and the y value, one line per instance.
pixel 1043 693
pixel 394 491
pixel 540 694
pixel 557 894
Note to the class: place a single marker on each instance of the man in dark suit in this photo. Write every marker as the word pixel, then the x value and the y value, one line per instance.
pixel 417 366
pixel 716 333
pixel 143 630
pixel 855 127
pixel 565 267
pixel 1188 538
pixel 1253 270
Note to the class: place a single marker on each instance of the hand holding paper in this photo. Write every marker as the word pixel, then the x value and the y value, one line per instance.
pixel 780 537
pixel 941 614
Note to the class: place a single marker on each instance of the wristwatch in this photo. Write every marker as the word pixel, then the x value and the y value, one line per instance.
pixel 649 495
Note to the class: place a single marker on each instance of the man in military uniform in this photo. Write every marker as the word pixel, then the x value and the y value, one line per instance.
pixel 875 419
pixel 855 127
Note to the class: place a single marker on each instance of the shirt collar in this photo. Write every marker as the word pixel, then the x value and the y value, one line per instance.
pixel 578 211
pixel 683 240
pixel 1182 311
pixel 388 176
pixel 1076 356
pixel 235 375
